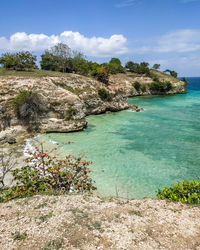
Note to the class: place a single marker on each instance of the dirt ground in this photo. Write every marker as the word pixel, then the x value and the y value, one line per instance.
pixel 88 222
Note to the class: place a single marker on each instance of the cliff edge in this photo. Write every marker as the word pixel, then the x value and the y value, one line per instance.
pixel 69 98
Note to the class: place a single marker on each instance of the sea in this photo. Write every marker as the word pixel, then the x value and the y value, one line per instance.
pixel 134 154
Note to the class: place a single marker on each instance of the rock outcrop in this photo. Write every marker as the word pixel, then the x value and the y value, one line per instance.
pixel 75 92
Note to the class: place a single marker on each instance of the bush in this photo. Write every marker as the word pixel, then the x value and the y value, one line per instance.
pixel 156 66
pixel 143 88
pixel 142 68
pixel 131 66
pixel 18 61
pixel 172 73
pixel 184 80
pixel 187 191
pixel 44 173
pixel 104 95
pixel 115 66
pixel 28 106
pixel 69 113
pixel 160 87
pixel 137 85
pixel 102 75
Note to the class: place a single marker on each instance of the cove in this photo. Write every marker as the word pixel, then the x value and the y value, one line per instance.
pixel 140 152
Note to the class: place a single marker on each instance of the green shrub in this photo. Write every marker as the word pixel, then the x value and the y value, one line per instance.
pixel 187 191
pixel 143 88
pixel 44 173
pixel 102 75
pixel 104 95
pixel 69 113
pixel 137 86
pixel 185 81
pixel 18 61
pixel 28 106
pixel 115 66
pixel 160 87
pixel 172 73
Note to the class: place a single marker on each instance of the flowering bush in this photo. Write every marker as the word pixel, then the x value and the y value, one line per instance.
pixel 44 173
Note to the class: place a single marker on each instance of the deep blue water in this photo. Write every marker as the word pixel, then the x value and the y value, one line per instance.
pixel 141 152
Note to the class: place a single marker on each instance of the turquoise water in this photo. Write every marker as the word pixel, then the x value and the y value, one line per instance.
pixel 140 152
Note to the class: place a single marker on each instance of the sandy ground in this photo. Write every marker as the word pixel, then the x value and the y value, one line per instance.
pixel 88 222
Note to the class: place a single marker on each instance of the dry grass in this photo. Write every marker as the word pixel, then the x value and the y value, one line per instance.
pixel 88 222
pixel 32 73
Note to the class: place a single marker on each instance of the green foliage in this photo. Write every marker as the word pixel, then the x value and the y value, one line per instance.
pixel 18 61
pixel 131 66
pixel 156 66
pixel 142 68
pixel 57 58
pixel 143 88
pixel 49 62
pixel 160 87
pixel 79 65
pixel 137 86
pixel 187 191
pixel 102 75
pixel 28 106
pixel 104 94
pixel 69 113
pixel 44 173
pixel 172 73
pixel 115 66
pixel 184 80
pixel 19 236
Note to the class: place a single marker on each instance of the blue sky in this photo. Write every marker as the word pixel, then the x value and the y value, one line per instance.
pixel 163 31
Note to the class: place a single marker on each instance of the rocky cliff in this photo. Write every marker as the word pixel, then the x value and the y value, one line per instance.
pixel 69 98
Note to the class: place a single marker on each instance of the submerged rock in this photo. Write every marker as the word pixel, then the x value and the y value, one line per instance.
pixel 135 108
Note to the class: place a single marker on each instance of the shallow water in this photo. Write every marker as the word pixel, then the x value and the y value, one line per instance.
pixel 137 153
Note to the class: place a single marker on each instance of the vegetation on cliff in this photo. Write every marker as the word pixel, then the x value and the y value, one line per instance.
pixel 28 106
pixel 44 173
pixel 61 58
pixel 18 61
pixel 187 191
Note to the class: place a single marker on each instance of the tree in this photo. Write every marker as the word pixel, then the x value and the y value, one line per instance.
pixel 79 64
pixel 62 53
pixel 115 66
pixel 142 68
pixel 57 58
pixel 156 66
pixel 172 73
pixel 131 66
pixel 18 61
pixel 49 62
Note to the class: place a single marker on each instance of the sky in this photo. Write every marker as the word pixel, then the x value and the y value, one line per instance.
pixel 157 31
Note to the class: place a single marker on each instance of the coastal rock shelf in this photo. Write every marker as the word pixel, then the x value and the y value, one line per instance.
pixel 70 98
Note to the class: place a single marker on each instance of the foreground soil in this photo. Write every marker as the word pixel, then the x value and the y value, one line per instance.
pixel 88 222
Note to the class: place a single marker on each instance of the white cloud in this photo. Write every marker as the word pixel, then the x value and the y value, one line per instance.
pixel 179 41
pixel 90 46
